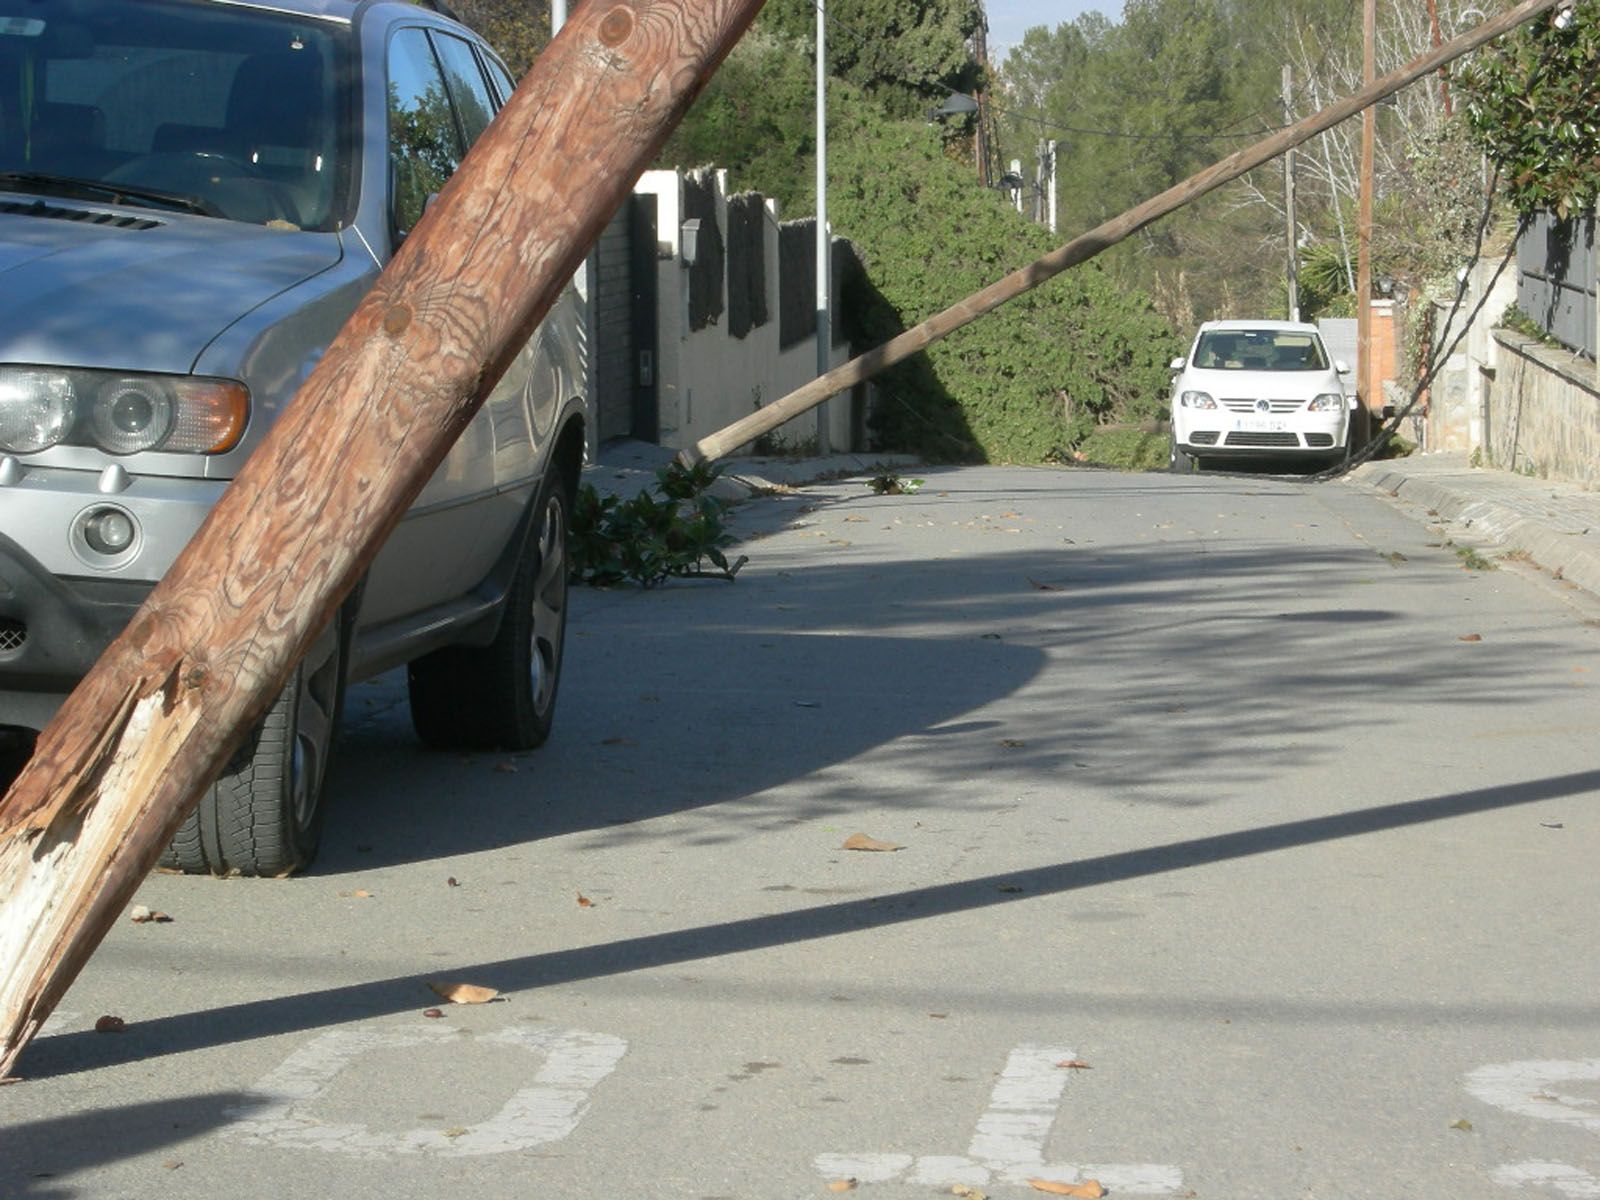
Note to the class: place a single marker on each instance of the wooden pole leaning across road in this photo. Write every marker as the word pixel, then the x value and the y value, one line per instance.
pixel 1081 249
pixel 151 725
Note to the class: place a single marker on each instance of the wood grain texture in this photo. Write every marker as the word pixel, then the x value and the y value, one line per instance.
pixel 149 728
pixel 1081 249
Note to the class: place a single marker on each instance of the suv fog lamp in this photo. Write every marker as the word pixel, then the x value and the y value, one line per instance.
pixel 1327 402
pixel 36 409
pixel 109 531
pixel 131 415
pixel 1196 400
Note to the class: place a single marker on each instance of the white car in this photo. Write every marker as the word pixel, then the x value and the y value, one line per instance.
pixel 1258 388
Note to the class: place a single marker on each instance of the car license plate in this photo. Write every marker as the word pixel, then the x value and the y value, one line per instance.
pixel 1260 425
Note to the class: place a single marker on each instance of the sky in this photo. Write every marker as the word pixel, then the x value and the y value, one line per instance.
pixel 1008 18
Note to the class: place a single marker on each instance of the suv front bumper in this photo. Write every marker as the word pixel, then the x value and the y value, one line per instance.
pixel 51 631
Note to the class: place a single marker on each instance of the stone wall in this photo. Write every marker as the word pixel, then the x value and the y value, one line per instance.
pixel 1543 409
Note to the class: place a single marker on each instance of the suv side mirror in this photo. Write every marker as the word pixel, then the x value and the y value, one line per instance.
pixel 1341 366
pixel 1176 364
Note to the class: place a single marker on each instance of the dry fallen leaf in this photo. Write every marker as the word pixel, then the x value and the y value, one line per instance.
pixel 462 993
pixel 971 1193
pixel 455 1131
pixel 110 1024
pixel 358 894
pixel 1074 1064
pixel 584 901
pixel 172 1164
pixel 1470 637
pixel 1013 743
pixel 842 1185
pixel 860 841
pixel 1043 587
pixel 1008 887
pixel 1463 1124
pixel 618 741
pixel 432 1013
pixel 506 768
pixel 140 915
pixel 1089 1188
pixel 452 882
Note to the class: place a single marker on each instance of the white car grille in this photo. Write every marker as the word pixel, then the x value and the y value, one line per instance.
pixel 1249 406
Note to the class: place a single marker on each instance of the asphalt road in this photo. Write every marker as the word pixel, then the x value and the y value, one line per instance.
pixel 1200 787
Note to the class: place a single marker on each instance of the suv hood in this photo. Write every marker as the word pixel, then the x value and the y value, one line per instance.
pixel 132 290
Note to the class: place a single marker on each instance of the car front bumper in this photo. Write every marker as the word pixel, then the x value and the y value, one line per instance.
pixel 51 631
pixel 1206 432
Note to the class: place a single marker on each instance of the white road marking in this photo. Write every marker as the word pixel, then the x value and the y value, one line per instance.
pixel 1569 1181
pixel 1008 1143
pixel 276 1111
pixel 1529 1089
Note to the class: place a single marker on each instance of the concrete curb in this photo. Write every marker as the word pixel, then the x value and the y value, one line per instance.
pixel 1572 552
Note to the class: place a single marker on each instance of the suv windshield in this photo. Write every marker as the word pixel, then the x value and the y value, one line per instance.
pixel 1259 350
pixel 212 108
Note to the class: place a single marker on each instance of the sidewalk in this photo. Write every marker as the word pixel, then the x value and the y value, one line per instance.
pixel 1557 524
pixel 625 467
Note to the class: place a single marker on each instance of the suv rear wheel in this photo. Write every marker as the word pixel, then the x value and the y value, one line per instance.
pixel 503 695
pixel 263 816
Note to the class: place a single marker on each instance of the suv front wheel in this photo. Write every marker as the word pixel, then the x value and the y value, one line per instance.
pixel 263 816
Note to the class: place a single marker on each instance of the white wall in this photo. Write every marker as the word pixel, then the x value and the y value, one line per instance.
pixel 708 379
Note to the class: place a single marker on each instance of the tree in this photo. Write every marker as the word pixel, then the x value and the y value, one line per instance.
pixel 903 53
pixel 756 118
pixel 1032 378
pixel 516 29
pixel 1134 107
pixel 1531 105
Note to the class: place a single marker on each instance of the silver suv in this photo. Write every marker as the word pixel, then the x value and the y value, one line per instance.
pixel 194 195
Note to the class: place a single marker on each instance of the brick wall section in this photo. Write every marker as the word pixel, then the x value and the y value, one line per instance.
pixel 1383 356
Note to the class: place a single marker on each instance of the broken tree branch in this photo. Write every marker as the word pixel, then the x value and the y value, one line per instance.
pixel 1084 247
pixel 129 753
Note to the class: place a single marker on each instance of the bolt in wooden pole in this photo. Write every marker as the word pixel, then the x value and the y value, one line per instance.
pixel 129 753
pixel 1081 249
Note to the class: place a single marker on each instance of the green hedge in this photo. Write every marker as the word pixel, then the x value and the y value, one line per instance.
pixel 1023 384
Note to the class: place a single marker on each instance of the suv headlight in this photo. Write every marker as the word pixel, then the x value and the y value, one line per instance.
pixel 119 413
pixel 1196 400
pixel 36 410
pixel 1327 402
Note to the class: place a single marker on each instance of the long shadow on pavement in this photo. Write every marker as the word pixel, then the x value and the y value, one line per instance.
pixel 230 1024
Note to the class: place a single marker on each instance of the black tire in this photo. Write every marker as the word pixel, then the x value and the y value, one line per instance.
pixel 264 814
pixel 1178 462
pixel 503 695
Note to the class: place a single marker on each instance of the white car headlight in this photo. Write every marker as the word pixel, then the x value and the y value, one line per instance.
pixel 1327 402
pixel 1196 400
pixel 42 407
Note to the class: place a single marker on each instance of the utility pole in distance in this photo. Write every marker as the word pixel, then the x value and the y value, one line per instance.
pixel 1292 230
pixel 1369 133
pixel 824 246
pixel 1050 151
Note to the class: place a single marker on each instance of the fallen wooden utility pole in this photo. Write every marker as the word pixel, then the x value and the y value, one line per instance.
pixel 1081 249
pixel 127 757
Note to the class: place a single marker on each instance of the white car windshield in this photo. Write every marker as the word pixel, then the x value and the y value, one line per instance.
pixel 211 108
pixel 1259 350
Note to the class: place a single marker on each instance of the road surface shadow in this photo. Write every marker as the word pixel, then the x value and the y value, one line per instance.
pixel 66 1053
pixel 36 1157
